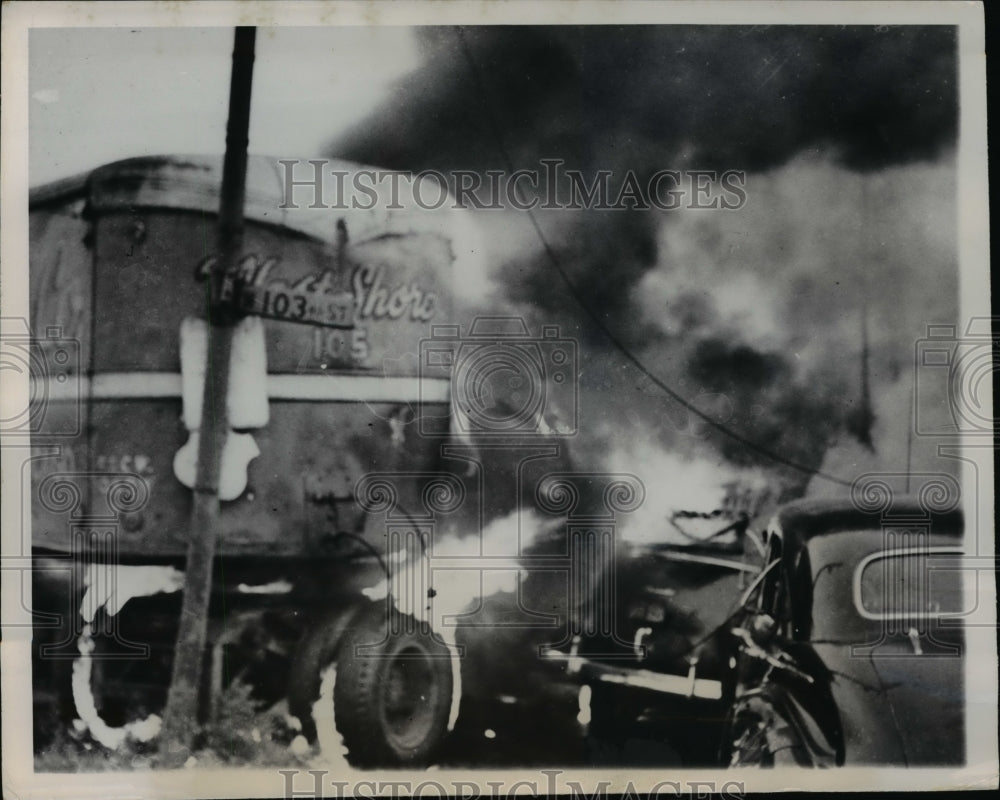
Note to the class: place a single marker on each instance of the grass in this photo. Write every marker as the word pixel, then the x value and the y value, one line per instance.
pixel 241 734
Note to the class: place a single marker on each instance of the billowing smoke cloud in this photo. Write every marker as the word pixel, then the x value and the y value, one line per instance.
pixel 753 315
pixel 746 97
pixel 759 331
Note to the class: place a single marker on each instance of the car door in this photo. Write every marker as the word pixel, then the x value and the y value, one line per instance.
pixel 915 595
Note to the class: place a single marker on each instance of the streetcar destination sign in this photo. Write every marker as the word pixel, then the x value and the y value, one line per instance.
pixel 321 298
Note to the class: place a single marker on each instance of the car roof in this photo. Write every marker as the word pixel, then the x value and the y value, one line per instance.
pixel 803 519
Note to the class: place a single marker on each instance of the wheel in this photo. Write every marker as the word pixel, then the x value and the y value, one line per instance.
pixel 611 713
pixel 52 696
pixel 316 651
pixel 613 724
pixel 761 734
pixel 393 692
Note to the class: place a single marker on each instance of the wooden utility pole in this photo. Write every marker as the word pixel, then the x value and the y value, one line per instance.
pixel 180 715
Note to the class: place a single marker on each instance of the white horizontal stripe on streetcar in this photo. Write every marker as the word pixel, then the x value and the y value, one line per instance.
pixel 133 384
pixel 359 388
pixel 112 386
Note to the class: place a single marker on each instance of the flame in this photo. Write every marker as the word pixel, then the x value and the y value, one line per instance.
pixel 673 483
pixel 458 590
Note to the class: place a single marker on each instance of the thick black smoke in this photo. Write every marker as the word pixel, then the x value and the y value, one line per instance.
pixel 797 108
pixel 740 97
pixel 645 98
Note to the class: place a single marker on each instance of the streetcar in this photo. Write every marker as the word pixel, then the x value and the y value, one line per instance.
pixel 326 392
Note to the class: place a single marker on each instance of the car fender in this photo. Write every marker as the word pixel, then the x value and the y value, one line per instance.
pixel 868 726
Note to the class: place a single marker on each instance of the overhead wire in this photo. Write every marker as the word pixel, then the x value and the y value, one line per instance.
pixel 598 322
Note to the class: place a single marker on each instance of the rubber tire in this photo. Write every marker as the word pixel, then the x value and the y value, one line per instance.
pixel 361 694
pixel 613 722
pixel 759 734
pixel 130 689
pixel 611 713
pixel 316 650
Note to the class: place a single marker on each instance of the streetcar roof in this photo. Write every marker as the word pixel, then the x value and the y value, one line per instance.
pixel 192 183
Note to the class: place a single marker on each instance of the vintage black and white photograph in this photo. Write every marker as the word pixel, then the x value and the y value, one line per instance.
pixel 441 399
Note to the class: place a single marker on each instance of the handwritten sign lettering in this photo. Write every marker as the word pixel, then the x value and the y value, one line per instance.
pixel 317 300
pixel 377 300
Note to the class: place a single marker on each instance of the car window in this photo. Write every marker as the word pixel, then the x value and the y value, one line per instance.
pixel 909 584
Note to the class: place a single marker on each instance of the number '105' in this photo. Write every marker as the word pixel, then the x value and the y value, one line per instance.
pixel 340 345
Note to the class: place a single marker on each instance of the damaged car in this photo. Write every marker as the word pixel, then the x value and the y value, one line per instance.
pixel 850 650
pixel 834 638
